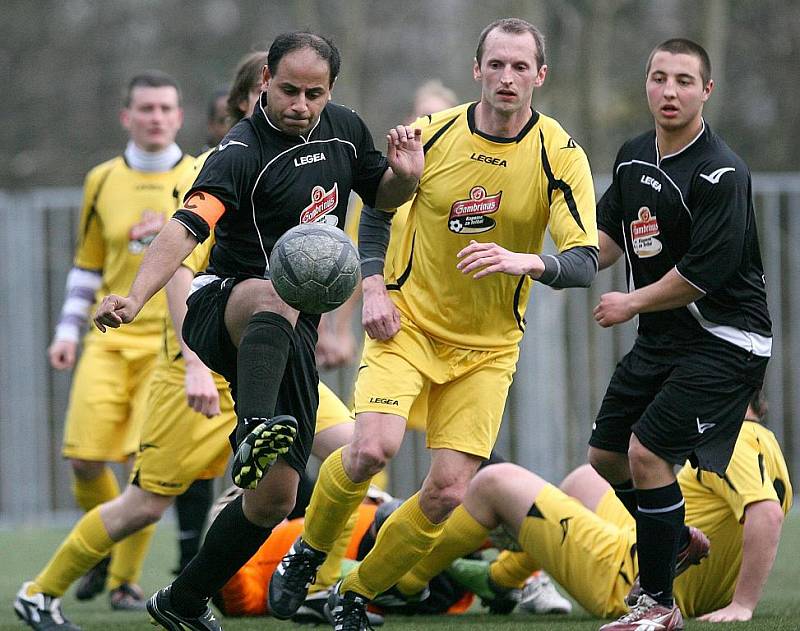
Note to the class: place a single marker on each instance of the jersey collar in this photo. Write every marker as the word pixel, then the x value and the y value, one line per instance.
pixel 518 138
pixel 660 158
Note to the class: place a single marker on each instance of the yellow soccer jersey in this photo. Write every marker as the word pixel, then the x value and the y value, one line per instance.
pixel 757 471
pixel 506 191
pixel 123 210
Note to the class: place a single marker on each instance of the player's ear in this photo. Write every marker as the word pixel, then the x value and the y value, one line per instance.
pixel 265 76
pixel 708 89
pixel 125 118
pixel 539 80
pixel 476 70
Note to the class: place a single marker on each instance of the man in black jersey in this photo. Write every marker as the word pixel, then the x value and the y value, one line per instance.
pixel 295 160
pixel 680 208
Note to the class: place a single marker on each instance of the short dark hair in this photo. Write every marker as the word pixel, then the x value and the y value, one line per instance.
pixel 211 110
pixel 518 27
pixel 248 73
pixel 151 79
pixel 681 46
pixel 297 40
pixel 758 403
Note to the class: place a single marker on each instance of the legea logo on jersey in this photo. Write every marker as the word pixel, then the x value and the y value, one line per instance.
pixel 643 234
pixel 322 203
pixel 143 232
pixel 469 216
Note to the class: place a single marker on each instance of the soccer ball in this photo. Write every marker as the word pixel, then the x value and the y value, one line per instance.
pixel 314 267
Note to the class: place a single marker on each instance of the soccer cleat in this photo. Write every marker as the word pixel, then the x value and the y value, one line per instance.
pixel 292 578
pixel 93 582
pixel 540 596
pixel 395 601
pixel 693 552
pixel 347 612
pixel 41 612
pixel 648 615
pixel 474 575
pixel 127 597
pixel 160 609
pixel 260 448
pixel 312 611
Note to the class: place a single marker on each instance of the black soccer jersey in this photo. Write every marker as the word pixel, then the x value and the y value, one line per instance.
pixel 270 181
pixel 692 210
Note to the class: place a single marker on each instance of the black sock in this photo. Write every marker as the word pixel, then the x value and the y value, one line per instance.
pixel 230 542
pixel 658 529
pixel 627 495
pixel 192 508
pixel 260 364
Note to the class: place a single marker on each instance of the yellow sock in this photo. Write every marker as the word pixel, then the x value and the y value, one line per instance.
pixel 128 558
pixel 334 499
pixel 461 535
pixel 331 570
pixel 511 569
pixel 404 539
pixel 91 493
pixel 86 544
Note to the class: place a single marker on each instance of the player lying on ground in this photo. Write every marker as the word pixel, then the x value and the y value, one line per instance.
pixel 583 536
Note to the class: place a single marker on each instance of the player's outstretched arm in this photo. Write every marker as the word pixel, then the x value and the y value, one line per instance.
pixel 406 161
pixel 490 258
pixel 762 531
pixel 163 257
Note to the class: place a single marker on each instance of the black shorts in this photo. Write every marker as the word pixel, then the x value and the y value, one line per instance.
pixel 682 399
pixel 204 331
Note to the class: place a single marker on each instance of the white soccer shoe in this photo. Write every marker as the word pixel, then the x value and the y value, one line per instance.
pixel 540 596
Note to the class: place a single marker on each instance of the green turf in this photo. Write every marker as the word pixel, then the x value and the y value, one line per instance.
pixel 22 554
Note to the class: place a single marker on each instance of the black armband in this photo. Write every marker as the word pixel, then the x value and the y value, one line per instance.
pixel 194 223
pixel 374 229
pixel 575 267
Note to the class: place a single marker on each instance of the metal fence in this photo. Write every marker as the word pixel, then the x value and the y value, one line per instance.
pixel 564 367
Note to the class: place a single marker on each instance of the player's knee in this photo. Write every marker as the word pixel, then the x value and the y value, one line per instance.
pixel 267 514
pixel 489 481
pixel 87 469
pixel 445 495
pixel 369 458
pixel 610 465
pixel 576 479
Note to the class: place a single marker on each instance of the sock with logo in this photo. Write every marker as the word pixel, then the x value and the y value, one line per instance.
pixel 334 499
pixel 230 542
pixel 261 361
pixel 658 530
pixel 128 558
pixel 626 494
pixel 100 489
pixel 511 569
pixel 191 508
pixel 462 534
pixel 405 538
pixel 84 547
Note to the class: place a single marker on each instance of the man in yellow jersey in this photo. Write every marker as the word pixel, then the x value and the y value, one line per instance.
pixel 445 323
pixel 585 538
pixel 126 201
pixel 178 444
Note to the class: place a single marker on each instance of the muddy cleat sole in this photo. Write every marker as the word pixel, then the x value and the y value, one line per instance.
pixel 93 582
pixel 41 612
pixel 160 609
pixel 260 448
pixel 290 581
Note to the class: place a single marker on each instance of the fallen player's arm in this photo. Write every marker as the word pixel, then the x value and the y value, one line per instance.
pixel 762 531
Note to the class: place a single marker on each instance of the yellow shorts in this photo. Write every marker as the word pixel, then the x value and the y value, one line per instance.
pixel 331 411
pixel 107 403
pixel 461 392
pixel 179 445
pixel 592 558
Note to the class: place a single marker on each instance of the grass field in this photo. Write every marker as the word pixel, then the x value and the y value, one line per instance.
pixel 22 554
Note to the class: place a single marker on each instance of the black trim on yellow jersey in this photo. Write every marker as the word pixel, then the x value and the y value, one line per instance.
pixel 535 512
pixel 780 489
pixel 404 276
pixel 561 185
pixel 517 315
pixel 438 134
pixel 93 208
pixel 518 138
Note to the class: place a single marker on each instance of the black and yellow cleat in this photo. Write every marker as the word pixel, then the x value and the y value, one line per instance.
pixel 260 448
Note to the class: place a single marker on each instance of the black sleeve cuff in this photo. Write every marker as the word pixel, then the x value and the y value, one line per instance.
pixel 194 223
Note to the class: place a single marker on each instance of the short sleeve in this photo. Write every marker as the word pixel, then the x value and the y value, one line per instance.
pixel 719 208
pixel 573 220
pixel 609 210
pixel 90 252
pixel 370 164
